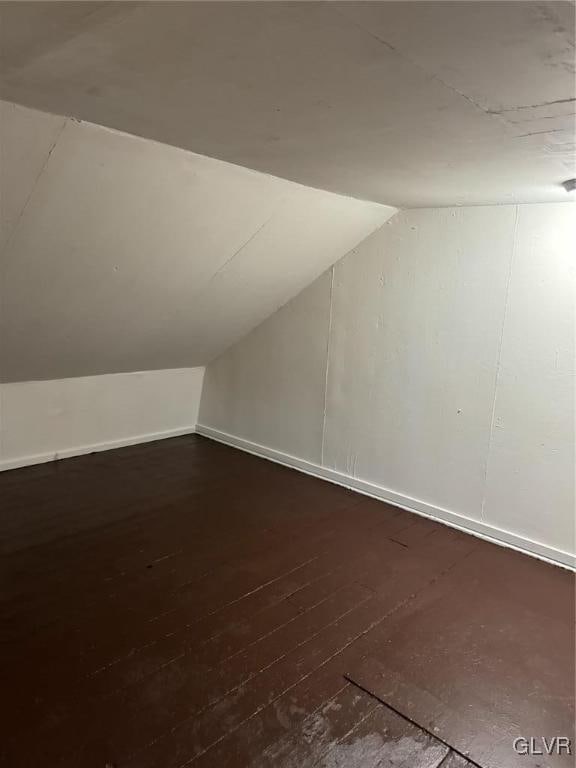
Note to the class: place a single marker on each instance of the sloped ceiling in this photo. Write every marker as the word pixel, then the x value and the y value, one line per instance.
pixel 122 254
pixel 405 103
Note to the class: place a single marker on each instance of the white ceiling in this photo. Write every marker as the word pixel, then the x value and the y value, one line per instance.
pixel 122 254
pixel 405 103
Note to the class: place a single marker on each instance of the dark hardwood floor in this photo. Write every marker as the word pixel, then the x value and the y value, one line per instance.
pixel 182 603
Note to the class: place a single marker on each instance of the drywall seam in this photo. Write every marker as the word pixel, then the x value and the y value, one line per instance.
pixel 332 271
pixel 11 234
pixel 201 291
pixel 5 250
pixel 498 361
pixel 81 450
pixel 439 514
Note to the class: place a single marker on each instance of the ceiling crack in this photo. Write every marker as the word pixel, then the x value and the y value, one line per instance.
pixel 534 106
pixel 431 75
pixel 537 133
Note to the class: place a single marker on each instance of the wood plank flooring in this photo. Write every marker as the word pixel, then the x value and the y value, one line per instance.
pixel 501 653
pixel 182 603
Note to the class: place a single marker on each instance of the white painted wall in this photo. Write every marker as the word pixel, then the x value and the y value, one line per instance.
pixel 26 140
pixel 449 378
pixel 270 387
pixel 531 468
pixel 123 254
pixel 45 420
pixel 417 320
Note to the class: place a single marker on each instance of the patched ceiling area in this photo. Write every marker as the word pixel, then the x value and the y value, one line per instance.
pixel 403 103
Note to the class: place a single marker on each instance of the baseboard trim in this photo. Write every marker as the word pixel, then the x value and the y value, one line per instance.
pixel 446 516
pixel 81 450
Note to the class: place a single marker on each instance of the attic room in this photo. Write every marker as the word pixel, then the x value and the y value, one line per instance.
pixel 287 354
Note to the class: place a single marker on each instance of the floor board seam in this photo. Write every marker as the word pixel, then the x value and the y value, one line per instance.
pixel 413 722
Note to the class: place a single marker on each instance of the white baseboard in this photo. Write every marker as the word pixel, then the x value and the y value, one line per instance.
pixel 453 519
pixel 65 453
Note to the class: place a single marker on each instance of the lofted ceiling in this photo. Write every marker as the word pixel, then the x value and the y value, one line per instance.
pixel 122 254
pixel 403 103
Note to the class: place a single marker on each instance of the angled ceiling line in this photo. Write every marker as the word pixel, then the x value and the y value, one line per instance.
pixel 4 246
pixel 222 268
